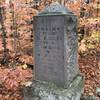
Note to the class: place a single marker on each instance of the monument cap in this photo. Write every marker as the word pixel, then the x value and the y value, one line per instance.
pixel 54 9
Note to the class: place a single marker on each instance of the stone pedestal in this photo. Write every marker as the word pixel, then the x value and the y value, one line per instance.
pixel 48 91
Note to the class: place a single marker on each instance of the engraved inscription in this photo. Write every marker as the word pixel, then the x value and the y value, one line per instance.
pixel 49 48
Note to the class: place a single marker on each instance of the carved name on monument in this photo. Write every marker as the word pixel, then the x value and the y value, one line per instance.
pixel 55 48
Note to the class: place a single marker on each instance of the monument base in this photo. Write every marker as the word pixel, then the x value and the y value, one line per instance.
pixel 48 91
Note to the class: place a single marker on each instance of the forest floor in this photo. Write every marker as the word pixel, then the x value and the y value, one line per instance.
pixel 89 64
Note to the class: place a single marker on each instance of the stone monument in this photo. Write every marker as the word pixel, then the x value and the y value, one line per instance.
pixel 57 75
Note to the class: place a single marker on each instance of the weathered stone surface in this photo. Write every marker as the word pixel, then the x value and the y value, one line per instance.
pixel 55 8
pixel 98 91
pixel 88 98
pixel 56 45
pixel 48 91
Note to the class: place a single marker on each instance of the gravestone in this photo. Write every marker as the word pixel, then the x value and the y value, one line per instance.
pixel 56 46
pixel 56 65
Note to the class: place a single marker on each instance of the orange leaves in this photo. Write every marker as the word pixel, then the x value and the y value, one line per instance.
pixel 89 66
pixel 27 59
pixel 18 19
pixel 15 78
pixel 11 84
pixel 11 81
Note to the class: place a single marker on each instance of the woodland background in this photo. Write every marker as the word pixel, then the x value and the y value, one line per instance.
pixel 16 44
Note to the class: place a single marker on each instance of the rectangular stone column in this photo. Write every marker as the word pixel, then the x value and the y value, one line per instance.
pixel 57 74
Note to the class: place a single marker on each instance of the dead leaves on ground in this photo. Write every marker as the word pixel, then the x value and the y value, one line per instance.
pixel 89 66
pixel 11 82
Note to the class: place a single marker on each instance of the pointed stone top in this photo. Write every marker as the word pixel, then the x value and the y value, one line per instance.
pixel 55 8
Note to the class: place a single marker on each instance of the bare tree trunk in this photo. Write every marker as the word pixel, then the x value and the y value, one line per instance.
pixel 5 56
